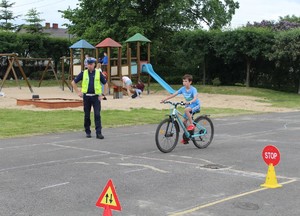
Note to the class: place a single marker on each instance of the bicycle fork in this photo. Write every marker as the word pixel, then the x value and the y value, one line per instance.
pixel 169 133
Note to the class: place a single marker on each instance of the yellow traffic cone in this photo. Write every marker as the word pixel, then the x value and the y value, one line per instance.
pixel 271 180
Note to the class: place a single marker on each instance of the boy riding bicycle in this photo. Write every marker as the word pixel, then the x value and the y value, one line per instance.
pixel 190 94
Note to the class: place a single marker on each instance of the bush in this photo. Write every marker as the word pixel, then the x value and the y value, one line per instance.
pixel 216 82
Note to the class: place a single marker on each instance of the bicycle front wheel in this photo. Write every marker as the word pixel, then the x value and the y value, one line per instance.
pixel 166 136
pixel 204 132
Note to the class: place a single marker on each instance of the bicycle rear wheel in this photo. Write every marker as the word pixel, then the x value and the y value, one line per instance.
pixel 166 136
pixel 205 128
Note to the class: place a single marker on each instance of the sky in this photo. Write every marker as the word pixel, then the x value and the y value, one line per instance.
pixel 48 9
pixel 258 10
pixel 250 10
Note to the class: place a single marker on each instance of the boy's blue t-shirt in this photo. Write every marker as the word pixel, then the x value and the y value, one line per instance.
pixel 189 95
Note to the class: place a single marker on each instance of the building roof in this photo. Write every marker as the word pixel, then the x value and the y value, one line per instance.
pixel 52 31
pixel 108 42
pixel 137 37
pixel 82 44
pixel 59 32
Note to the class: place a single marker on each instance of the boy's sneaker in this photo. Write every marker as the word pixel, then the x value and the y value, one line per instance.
pixel 183 141
pixel 191 127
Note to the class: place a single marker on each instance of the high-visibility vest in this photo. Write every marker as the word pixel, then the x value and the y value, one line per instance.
pixel 97 83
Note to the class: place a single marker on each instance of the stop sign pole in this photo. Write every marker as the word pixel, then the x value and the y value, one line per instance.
pixel 271 156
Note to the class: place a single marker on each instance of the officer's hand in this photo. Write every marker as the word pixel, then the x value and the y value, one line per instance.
pixel 79 94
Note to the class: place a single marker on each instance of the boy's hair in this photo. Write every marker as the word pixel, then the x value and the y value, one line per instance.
pixel 189 77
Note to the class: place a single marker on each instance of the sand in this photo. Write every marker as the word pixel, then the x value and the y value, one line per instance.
pixel 11 94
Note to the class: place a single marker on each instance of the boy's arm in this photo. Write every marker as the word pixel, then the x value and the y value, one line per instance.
pixel 194 99
pixel 169 97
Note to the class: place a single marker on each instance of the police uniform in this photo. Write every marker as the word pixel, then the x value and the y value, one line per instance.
pixel 91 89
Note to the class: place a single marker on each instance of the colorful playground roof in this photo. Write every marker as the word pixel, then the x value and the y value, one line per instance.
pixel 108 42
pixel 82 44
pixel 138 37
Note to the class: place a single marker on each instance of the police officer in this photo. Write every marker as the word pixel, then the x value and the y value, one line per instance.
pixel 91 91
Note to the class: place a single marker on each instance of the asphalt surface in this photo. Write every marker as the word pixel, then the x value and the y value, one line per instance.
pixel 64 174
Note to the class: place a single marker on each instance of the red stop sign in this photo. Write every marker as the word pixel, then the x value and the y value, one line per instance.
pixel 271 155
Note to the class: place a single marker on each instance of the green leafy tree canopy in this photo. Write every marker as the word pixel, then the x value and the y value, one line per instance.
pixel 33 21
pixel 6 15
pixel 156 19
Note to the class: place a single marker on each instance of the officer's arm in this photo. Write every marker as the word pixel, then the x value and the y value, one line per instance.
pixel 79 93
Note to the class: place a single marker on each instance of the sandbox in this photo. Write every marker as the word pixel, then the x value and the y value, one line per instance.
pixel 50 103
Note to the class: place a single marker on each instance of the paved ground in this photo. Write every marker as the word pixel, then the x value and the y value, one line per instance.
pixel 64 174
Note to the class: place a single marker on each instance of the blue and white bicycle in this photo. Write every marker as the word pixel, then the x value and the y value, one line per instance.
pixel 167 132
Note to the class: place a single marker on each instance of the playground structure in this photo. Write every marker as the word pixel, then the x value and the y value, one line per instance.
pixel 63 78
pixel 50 103
pixel 134 67
pixel 14 59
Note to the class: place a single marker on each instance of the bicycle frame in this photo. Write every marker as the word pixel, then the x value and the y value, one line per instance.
pixel 168 130
pixel 177 115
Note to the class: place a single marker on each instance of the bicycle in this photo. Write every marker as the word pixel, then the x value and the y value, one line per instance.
pixel 167 132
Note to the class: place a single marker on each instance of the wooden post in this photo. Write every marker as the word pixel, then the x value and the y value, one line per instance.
pixel 119 62
pixel 15 75
pixel 23 74
pixel 138 59
pixel 71 67
pixel 82 58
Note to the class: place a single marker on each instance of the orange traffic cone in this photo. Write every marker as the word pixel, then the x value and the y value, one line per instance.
pixel 271 180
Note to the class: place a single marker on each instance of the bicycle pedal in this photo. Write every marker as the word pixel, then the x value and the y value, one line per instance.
pixel 183 141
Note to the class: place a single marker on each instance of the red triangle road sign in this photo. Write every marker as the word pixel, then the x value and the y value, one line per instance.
pixel 109 198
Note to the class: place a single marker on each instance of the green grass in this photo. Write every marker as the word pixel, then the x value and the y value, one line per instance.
pixel 275 98
pixel 25 122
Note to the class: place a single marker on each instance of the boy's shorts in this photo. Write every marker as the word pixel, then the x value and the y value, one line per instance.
pixel 195 107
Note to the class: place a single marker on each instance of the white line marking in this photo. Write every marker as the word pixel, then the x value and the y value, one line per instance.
pixel 142 165
pixel 48 162
pixel 200 159
pixel 39 144
pixel 56 185
pixel 136 170
pixel 102 163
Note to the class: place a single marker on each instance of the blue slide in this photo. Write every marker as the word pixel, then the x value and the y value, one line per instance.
pixel 147 68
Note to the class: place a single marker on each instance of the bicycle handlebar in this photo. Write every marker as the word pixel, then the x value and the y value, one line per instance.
pixel 175 103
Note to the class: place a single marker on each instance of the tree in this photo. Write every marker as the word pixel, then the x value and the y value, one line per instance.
pixel 286 53
pixel 292 19
pixel 214 13
pixel 34 22
pixel 192 51
pixel 156 19
pixel 7 15
pixel 283 24
pixel 246 44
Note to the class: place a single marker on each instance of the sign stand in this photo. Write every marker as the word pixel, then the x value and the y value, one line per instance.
pixel 271 180
pixel 271 156
pixel 107 211
pixel 109 199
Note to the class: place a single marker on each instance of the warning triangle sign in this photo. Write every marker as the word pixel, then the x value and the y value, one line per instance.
pixel 109 197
